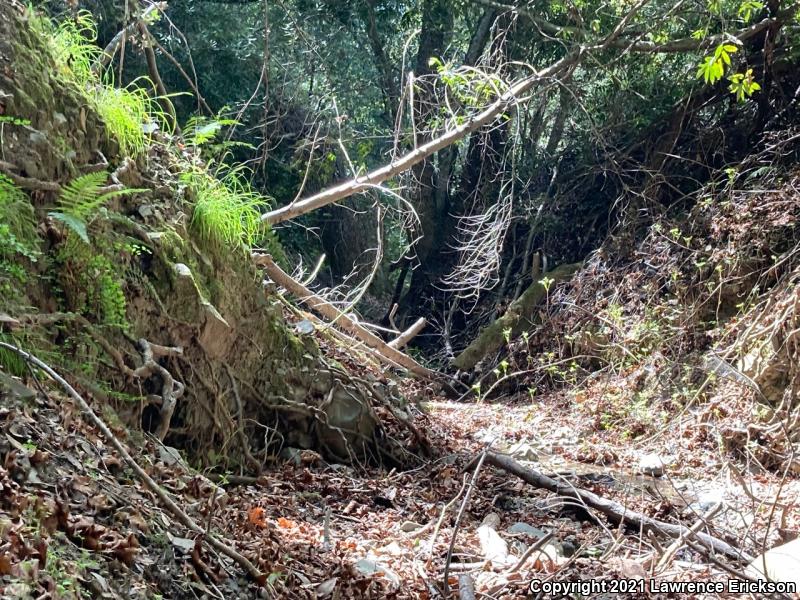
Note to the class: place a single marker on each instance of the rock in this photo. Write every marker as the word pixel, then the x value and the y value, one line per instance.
pixel 392 549
pixel 181 270
pixel 526 529
pixel 781 563
pixel 629 569
pixel 14 389
pixel 523 451
pixel 349 421
pixel 304 327
pixel 652 465
pixel 184 544
pixel 327 587
pixel 569 546
pixel 493 547
pixel 216 337
pixel 707 499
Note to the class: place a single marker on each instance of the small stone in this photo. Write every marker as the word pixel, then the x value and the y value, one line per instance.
pixel 707 499
pixel 304 327
pixel 38 138
pixel 12 388
pixel 652 465
pixel 169 455
pixel 184 544
pixel 145 210
pixel 569 546
pixel 366 566
pixel 182 270
pixel 327 587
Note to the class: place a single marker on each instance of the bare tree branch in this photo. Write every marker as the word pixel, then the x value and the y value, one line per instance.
pixel 364 182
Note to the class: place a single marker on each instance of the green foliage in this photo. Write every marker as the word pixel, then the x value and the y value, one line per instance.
pixel 742 85
pixel 227 211
pixel 17 236
pixel 11 362
pixel 106 294
pixel 92 283
pixel 747 8
pixel 16 212
pixel 203 133
pixel 82 199
pixel 201 130
pixel 128 113
pixel 13 121
pixel 712 69
pixel 74 48
pixel 470 86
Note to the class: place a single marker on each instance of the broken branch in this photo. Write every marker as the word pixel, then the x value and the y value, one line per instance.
pixel 614 511
pixel 409 334
pixel 360 184
pixel 330 312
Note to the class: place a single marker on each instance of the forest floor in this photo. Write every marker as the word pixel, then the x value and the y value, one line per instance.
pixel 83 521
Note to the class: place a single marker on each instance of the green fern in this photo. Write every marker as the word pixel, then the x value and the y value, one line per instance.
pixel 81 200
pixel 16 212
pixel 18 240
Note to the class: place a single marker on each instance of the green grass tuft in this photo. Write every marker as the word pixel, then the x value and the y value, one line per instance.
pixel 129 113
pixel 227 211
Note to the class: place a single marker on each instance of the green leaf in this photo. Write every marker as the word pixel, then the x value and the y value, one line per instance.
pixel 76 224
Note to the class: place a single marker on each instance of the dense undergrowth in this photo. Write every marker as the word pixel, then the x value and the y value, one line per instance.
pixel 699 316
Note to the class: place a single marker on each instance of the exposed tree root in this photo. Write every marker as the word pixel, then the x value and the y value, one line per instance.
pixel 168 502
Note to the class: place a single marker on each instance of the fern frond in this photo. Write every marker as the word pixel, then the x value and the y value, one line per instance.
pixel 16 211
pixel 82 198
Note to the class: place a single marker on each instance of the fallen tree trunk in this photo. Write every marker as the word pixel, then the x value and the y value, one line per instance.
pixel 614 511
pixel 329 311
pixel 513 95
pixel 518 317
